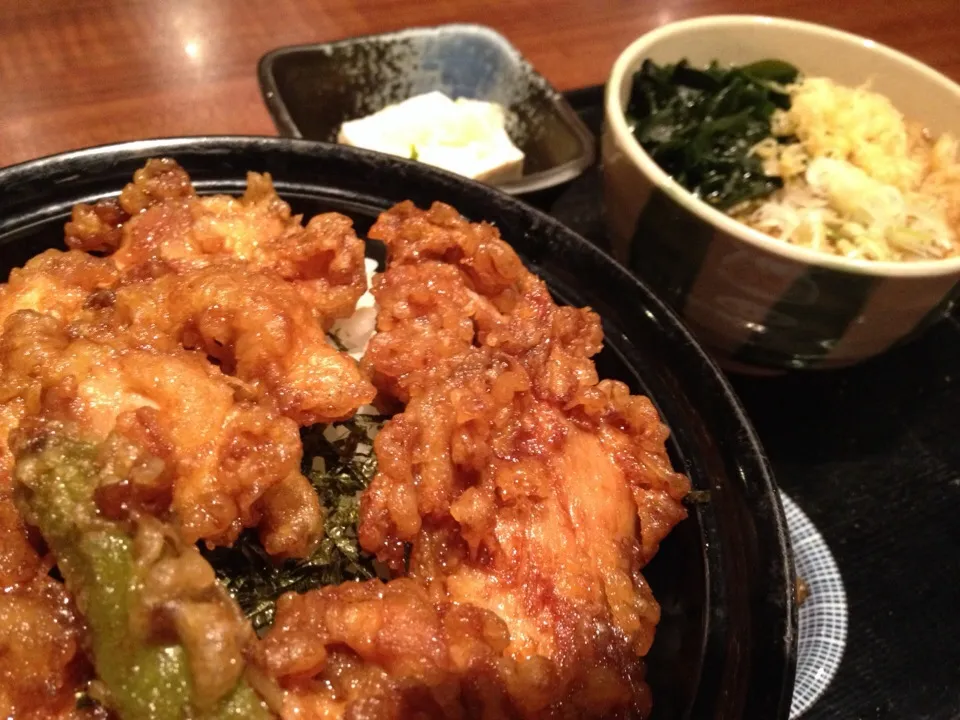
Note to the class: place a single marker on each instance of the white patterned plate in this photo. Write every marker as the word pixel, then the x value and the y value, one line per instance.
pixel 823 616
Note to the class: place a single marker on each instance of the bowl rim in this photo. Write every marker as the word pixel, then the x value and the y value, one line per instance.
pixel 617 123
pixel 542 180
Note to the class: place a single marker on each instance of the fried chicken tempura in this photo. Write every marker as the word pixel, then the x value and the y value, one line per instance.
pixel 167 641
pixel 517 499
pixel 199 337
pixel 514 486
pixel 257 328
pixel 41 662
pixel 160 224
pixel 453 286
pixel 130 341
pixel 225 454
pixel 40 634
pixel 386 648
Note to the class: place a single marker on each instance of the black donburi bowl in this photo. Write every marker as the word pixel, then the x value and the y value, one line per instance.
pixel 725 648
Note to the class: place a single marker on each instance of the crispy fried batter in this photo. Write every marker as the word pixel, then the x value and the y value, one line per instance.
pixel 173 229
pixel 225 454
pixel 514 485
pixel 514 505
pixel 126 341
pixel 41 661
pixel 56 283
pixel 387 648
pixel 99 227
pixel 518 494
pixel 258 328
pixel 40 635
pixel 40 658
pixel 453 286
pixel 199 339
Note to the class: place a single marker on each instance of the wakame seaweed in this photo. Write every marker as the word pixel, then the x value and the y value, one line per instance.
pixel 340 462
pixel 699 125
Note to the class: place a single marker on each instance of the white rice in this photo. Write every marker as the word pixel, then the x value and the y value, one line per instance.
pixel 354 332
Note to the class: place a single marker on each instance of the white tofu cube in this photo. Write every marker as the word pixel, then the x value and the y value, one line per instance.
pixel 465 136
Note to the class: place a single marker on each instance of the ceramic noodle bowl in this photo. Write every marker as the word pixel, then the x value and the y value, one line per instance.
pixel 759 304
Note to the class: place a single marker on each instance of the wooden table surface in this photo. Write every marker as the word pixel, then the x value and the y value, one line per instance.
pixel 75 73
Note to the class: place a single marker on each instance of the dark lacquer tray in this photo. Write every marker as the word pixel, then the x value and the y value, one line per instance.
pixel 872 455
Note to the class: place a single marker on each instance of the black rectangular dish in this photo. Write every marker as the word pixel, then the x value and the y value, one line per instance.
pixel 870 453
pixel 311 90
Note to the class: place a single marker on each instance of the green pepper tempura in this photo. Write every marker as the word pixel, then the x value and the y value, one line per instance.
pixel 57 478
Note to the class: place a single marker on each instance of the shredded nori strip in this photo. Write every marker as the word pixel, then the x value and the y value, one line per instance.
pixel 700 125
pixel 340 469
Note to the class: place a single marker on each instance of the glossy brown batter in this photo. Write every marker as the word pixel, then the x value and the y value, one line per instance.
pixel 518 495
